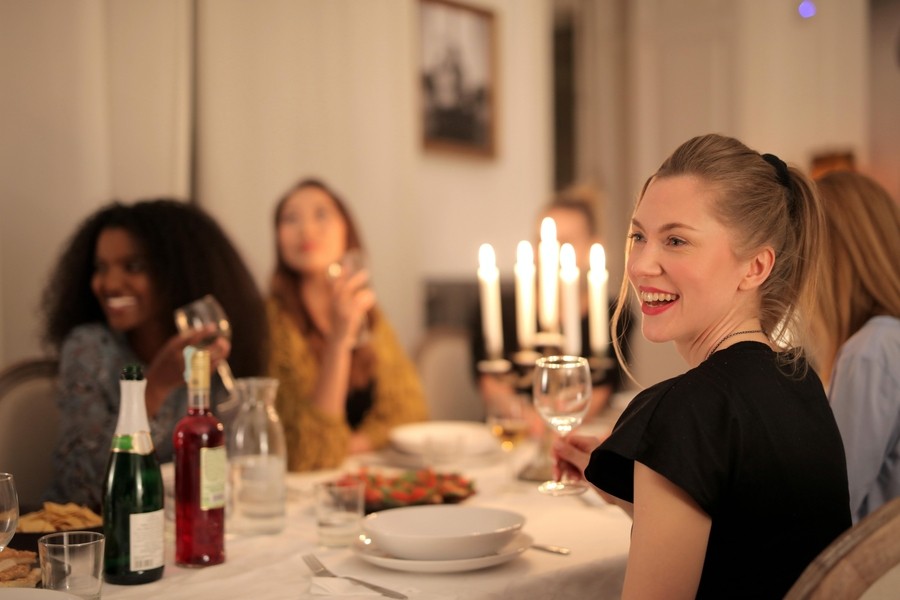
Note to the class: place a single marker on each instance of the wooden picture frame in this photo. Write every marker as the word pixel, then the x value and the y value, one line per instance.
pixel 457 68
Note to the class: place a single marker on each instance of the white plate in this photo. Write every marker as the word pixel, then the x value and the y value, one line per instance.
pixel 444 439
pixel 34 594
pixel 371 554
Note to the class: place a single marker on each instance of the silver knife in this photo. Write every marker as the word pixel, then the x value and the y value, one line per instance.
pixel 382 590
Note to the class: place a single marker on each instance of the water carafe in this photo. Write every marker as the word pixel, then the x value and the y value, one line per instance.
pixel 258 459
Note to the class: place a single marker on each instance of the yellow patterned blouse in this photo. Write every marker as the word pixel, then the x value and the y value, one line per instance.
pixel 316 440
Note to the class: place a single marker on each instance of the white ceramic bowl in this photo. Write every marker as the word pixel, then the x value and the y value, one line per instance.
pixel 442 532
pixel 443 439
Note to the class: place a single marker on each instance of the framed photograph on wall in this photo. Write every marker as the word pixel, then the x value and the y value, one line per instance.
pixel 458 77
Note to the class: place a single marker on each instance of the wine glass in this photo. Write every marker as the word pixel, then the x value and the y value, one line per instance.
pixel 562 396
pixel 200 313
pixel 9 509
pixel 349 265
pixel 507 421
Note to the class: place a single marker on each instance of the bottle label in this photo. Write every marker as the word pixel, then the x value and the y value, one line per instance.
pixel 213 473
pixel 146 546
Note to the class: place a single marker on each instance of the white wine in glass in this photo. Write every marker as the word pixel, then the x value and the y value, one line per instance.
pixel 507 421
pixel 9 509
pixel 562 396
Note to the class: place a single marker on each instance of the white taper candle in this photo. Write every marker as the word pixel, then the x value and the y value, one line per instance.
pixel 525 306
pixel 489 285
pixel 571 311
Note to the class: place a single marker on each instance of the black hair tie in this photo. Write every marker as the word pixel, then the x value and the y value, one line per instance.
pixel 784 177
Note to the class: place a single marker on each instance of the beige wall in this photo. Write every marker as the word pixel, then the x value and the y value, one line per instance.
pixel 286 88
pixel 295 87
pixel 291 89
pixel 90 111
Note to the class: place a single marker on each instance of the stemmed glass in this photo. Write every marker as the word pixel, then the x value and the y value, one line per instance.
pixel 562 396
pixel 349 265
pixel 9 509
pixel 506 418
pixel 200 313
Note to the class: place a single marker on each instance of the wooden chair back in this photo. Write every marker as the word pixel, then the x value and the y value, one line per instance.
pixel 855 561
pixel 29 422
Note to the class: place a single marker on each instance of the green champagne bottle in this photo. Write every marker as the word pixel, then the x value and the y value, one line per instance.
pixel 133 514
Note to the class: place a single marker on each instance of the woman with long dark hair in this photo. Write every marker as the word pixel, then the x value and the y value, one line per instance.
pixel 345 379
pixel 110 302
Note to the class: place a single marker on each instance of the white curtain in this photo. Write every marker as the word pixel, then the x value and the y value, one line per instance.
pixel 87 115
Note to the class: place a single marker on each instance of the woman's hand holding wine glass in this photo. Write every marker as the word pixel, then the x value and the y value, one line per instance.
pixel 9 509
pixel 562 396
pixel 207 326
pixel 353 298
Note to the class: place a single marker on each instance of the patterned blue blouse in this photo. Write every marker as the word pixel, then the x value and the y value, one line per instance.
pixel 91 359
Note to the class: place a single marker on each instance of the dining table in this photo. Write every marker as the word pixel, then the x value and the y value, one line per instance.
pixel 271 567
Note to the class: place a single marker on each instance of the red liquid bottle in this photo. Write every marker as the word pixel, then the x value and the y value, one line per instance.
pixel 200 472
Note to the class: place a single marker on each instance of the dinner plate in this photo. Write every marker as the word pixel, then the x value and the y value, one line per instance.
pixel 34 594
pixel 370 553
pixel 444 439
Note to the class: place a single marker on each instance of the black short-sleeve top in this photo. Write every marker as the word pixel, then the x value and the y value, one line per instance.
pixel 757 449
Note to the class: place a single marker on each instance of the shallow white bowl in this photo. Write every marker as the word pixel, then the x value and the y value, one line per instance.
pixel 442 532
pixel 443 438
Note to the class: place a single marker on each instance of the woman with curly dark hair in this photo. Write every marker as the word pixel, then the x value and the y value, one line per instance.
pixel 110 302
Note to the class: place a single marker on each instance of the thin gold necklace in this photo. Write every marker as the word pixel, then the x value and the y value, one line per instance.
pixel 719 343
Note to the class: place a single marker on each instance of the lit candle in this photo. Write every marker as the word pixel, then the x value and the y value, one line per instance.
pixel 489 284
pixel 548 277
pixel 598 301
pixel 525 306
pixel 571 312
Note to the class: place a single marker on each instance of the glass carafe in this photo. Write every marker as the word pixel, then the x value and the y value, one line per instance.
pixel 258 459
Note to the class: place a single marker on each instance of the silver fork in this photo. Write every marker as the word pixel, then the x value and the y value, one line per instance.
pixel 319 570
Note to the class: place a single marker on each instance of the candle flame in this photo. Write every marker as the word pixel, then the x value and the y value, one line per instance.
pixel 548 230
pixel 486 257
pixel 598 258
pixel 524 253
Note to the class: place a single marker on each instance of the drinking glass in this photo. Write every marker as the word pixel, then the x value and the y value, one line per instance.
pixel 9 509
pixel 339 507
pixel 200 313
pixel 349 265
pixel 72 562
pixel 562 396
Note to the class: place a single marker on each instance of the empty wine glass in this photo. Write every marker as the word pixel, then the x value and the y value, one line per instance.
pixel 200 313
pixel 9 509
pixel 562 396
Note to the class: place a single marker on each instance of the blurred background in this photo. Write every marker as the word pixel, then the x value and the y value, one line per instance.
pixel 229 102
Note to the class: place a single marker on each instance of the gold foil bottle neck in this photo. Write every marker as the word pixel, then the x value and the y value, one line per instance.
pixel 196 363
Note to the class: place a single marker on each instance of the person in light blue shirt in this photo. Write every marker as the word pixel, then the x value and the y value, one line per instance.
pixel 858 332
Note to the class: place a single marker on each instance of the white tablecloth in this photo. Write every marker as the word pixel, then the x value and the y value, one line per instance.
pixel 269 567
